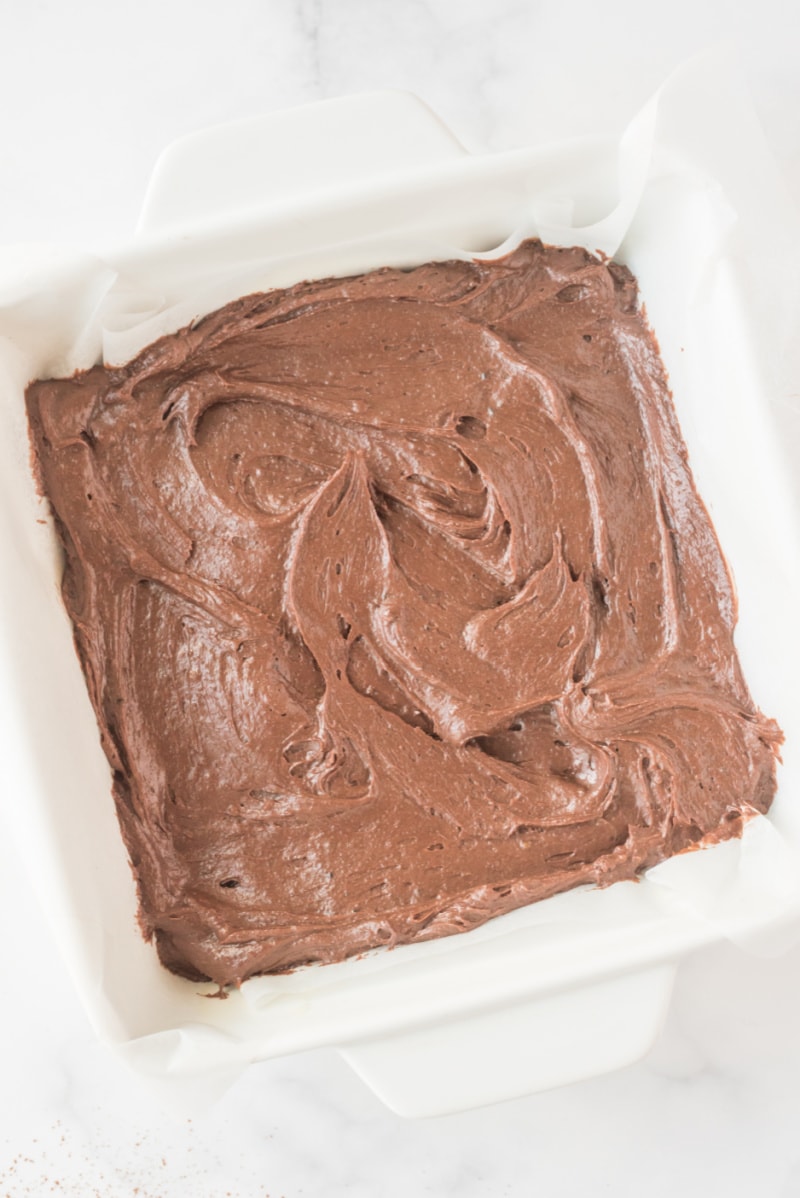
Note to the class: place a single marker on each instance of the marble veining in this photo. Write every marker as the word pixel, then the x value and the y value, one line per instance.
pixel 716 1099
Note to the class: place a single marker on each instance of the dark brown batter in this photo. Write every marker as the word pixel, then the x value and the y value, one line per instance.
pixel 398 609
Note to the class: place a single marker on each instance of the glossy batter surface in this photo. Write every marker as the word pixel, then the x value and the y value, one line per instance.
pixel 398 609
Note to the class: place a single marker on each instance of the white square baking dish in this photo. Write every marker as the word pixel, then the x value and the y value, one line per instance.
pixel 569 987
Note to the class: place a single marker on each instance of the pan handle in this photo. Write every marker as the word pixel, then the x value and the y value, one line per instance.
pixel 524 1047
pixel 255 163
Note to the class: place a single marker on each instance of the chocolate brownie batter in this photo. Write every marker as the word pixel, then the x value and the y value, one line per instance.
pixel 398 609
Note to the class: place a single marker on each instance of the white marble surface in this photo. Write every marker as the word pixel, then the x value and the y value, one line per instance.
pixel 89 94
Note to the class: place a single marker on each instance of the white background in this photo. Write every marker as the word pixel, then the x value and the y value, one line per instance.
pixel 90 92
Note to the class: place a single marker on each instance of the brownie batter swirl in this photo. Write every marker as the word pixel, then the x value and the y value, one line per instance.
pixel 398 609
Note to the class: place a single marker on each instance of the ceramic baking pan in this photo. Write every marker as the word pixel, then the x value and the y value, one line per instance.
pixel 565 988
